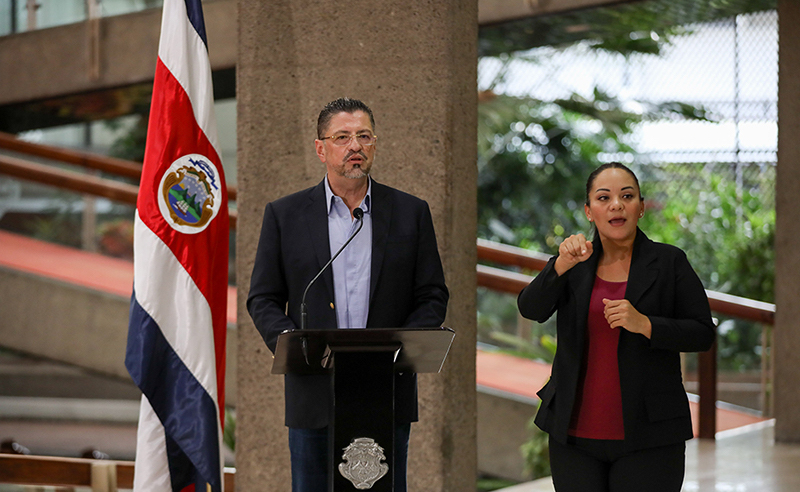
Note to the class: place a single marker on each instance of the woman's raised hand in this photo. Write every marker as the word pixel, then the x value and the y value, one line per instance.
pixel 572 251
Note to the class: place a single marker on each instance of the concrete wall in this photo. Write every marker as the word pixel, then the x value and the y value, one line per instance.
pixel 502 424
pixel 63 60
pixel 67 53
pixel 77 325
pixel 63 322
pixel 415 65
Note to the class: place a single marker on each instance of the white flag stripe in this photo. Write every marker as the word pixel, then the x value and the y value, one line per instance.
pixel 166 291
pixel 152 466
pixel 194 74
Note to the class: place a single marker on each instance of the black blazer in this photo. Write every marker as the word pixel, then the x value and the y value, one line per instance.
pixel 407 287
pixel 661 285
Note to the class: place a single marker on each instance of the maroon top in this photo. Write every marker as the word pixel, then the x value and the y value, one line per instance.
pixel 597 413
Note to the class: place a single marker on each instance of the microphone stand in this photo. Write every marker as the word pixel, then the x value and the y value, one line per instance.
pixel 358 213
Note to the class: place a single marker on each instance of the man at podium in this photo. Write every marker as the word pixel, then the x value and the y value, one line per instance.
pixel 386 273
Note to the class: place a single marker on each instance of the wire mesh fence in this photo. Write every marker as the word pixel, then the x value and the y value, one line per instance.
pixel 726 69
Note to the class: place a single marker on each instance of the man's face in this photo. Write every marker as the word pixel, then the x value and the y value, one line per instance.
pixel 352 160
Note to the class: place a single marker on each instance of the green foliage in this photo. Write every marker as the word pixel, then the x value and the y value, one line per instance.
pixel 496 312
pixel 725 223
pixel 61 227
pixel 500 325
pixel 130 144
pixel 486 484
pixel 540 348
pixel 536 452
pixel 534 156
pixel 229 433
pixel 629 28
pixel 738 346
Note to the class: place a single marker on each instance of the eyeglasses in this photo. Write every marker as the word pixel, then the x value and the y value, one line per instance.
pixel 343 139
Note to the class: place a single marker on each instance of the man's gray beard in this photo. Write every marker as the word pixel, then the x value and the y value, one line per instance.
pixel 355 173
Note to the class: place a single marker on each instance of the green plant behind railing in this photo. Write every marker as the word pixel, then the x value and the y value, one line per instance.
pixel 536 450
pixel 229 434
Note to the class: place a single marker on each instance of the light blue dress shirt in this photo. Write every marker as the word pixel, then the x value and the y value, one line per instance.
pixel 351 269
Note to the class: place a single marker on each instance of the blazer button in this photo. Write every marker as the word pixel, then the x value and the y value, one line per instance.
pixel 331 305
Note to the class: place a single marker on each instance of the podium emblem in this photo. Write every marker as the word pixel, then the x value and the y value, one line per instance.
pixel 362 463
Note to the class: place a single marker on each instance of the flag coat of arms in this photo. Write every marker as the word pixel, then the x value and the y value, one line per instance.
pixel 176 333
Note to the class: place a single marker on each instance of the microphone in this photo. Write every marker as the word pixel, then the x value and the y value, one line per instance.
pixel 358 213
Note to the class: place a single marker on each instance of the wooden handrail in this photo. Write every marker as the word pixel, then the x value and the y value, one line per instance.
pixel 70 180
pixel 71 472
pixel 111 165
pixel 74 181
pixel 504 254
pixel 742 307
pixel 40 470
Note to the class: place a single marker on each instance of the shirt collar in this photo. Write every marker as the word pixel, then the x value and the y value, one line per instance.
pixel 365 203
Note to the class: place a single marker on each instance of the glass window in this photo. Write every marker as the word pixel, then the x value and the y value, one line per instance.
pixel 14 14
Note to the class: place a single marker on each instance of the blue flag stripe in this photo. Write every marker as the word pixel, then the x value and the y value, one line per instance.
pixel 194 10
pixel 188 413
pixel 181 471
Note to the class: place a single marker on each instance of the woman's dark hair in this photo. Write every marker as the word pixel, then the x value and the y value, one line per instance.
pixel 341 105
pixel 610 165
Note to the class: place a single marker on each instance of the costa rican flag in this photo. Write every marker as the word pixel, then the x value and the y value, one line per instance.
pixel 176 333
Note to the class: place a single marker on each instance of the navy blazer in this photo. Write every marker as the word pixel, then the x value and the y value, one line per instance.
pixel 407 287
pixel 661 285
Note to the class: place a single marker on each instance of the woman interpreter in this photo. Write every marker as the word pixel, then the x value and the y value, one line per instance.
pixel 615 406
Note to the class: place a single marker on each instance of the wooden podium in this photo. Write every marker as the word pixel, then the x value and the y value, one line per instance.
pixel 363 363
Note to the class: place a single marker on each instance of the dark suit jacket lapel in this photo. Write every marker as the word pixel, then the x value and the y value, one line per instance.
pixel 316 216
pixel 644 271
pixel 381 210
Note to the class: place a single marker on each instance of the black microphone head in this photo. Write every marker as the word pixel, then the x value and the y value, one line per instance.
pixel 358 213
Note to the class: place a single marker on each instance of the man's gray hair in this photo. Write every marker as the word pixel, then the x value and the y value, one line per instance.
pixel 341 105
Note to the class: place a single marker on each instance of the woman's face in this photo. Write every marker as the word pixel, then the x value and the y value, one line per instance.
pixel 615 205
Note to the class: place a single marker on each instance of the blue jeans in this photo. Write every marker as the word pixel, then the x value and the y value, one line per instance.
pixel 309 452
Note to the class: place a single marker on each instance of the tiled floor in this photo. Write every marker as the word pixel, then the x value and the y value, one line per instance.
pixel 741 460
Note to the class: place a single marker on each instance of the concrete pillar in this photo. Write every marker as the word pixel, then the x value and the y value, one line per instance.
pixel 787 255
pixel 414 64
